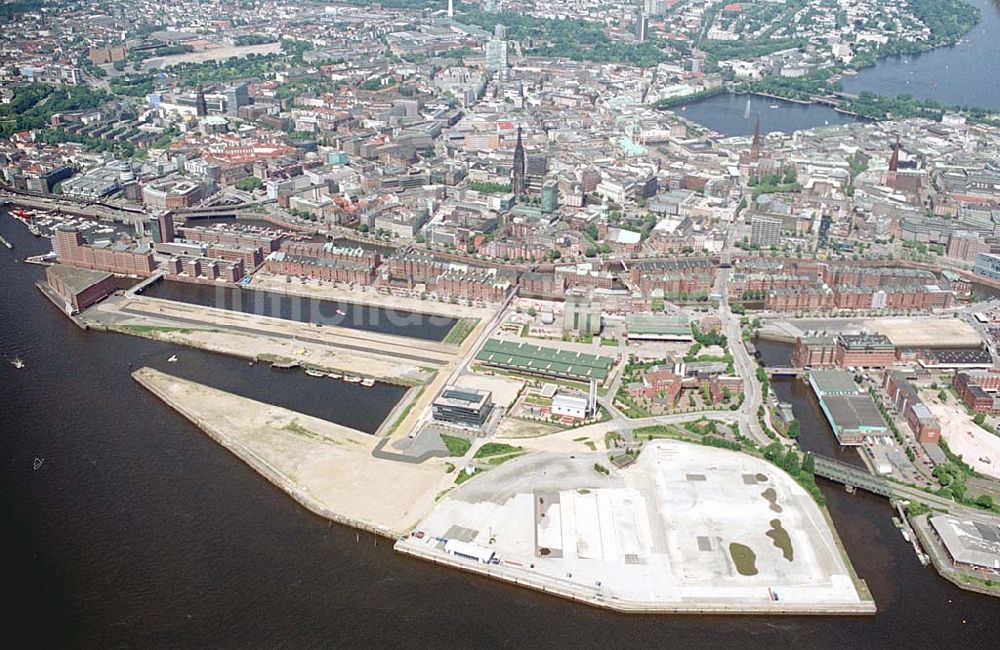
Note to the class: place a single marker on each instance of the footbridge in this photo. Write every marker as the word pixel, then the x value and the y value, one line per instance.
pixel 853 477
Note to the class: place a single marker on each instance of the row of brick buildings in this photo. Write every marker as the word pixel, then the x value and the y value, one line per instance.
pixel 979 391
pixel 903 396
pixel 120 259
pixel 844 350
pixel 908 297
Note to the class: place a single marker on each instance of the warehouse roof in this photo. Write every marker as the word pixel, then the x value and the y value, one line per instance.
pixel 854 413
pixel 76 279
pixel 969 541
pixel 833 382
pixel 548 361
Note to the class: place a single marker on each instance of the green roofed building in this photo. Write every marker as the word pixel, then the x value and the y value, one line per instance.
pixel 833 382
pixel 659 327
pixel 851 412
pixel 548 362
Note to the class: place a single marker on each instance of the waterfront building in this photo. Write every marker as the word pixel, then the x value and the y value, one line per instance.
pixel 851 413
pixel 865 351
pixel 814 351
pixel 462 406
pixel 121 259
pixel 969 542
pixel 79 288
pixel 172 194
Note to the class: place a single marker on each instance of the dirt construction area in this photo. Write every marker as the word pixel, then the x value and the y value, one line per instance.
pixel 686 526
pixel 977 447
pixel 926 332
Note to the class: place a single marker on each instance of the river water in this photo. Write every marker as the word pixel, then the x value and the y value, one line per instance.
pixel 139 530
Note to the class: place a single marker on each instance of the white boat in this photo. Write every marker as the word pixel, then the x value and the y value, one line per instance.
pixel 351 379
pixel 17 363
pixel 334 375
pixel 315 373
pixel 172 359
pixel 775 106
pixel 341 312
pixel 367 382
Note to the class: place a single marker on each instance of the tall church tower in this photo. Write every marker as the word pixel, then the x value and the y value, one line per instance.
pixel 755 145
pixel 519 165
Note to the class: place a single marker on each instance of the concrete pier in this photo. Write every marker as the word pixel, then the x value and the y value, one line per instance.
pixel 327 468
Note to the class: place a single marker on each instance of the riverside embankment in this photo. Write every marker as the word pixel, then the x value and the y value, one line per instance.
pixel 328 468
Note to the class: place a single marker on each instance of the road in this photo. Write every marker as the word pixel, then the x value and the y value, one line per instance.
pixel 745 366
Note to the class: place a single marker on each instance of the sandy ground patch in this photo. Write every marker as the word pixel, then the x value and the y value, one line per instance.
pixel 326 467
pixel 926 332
pixel 964 437
pixel 216 54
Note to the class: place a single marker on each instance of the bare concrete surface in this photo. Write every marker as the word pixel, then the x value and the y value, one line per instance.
pixel 326 467
pixel 655 536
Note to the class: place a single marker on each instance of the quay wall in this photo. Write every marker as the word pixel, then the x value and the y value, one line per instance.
pixel 524 578
pixel 145 378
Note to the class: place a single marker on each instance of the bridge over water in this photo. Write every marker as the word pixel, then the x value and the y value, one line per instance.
pixel 854 477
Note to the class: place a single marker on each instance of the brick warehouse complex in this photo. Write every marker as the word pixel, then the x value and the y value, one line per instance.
pixel 979 391
pixel 119 259
pixel 906 401
pixel 864 351
pixel 845 350
pixel 79 288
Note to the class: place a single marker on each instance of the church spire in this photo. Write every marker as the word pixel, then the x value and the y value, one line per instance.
pixel 755 145
pixel 519 166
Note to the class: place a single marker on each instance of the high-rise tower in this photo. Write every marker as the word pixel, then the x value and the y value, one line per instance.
pixel 200 105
